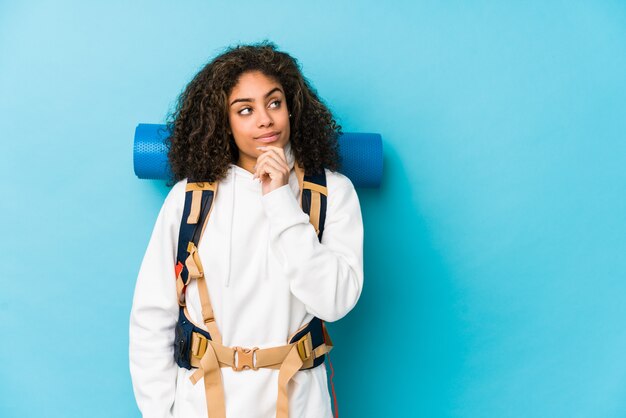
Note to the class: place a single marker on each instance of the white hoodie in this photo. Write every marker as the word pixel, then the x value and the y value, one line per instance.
pixel 267 276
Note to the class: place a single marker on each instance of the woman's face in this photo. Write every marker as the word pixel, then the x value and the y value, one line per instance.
pixel 258 116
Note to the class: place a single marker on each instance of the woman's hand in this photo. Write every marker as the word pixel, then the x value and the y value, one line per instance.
pixel 271 168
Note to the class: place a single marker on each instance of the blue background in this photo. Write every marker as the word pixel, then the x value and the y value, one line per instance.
pixel 495 249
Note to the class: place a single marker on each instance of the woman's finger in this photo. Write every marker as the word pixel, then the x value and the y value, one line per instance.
pixel 272 168
pixel 279 152
pixel 267 157
pixel 270 156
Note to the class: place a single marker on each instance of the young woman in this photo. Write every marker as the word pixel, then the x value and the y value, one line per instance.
pixel 247 122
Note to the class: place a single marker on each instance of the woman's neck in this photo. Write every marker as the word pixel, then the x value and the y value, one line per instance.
pixel 246 163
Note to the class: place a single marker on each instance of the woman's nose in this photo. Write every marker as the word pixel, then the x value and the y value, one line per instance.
pixel 264 119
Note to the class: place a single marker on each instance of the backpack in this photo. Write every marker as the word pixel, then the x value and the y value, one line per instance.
pixel 197 348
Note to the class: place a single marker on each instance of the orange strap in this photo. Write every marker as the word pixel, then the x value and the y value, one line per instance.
pixel 193 263
pixel 316 207
pixel 316 198
pixel 290 366
pixel 213 387
pixel 196 204
pixel 196 271
pixel 288 359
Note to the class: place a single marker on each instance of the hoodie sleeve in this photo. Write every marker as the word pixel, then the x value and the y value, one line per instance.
pixel 328 276
pixel 154 315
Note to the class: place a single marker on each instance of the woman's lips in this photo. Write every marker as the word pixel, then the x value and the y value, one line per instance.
pixel 268 139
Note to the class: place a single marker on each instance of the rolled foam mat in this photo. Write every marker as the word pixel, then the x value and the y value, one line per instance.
pixel 361 155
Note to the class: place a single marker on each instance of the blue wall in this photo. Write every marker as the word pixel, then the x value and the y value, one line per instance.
pixel 495 250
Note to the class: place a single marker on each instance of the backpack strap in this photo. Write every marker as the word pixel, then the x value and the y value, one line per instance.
pixel 314 201
pixel 199 198
pixel 313 198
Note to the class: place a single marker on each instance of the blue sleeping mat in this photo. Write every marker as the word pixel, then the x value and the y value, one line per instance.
pixel 361 155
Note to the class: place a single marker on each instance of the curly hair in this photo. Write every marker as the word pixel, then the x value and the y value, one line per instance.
pixel 200 147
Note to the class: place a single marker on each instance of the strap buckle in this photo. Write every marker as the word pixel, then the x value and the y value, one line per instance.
pixel 192 262
pixel 199 345
pixel 305 347
pixel 244 358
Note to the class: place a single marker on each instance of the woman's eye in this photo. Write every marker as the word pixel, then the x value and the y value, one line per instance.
pixel 275 104
pixel 245 111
